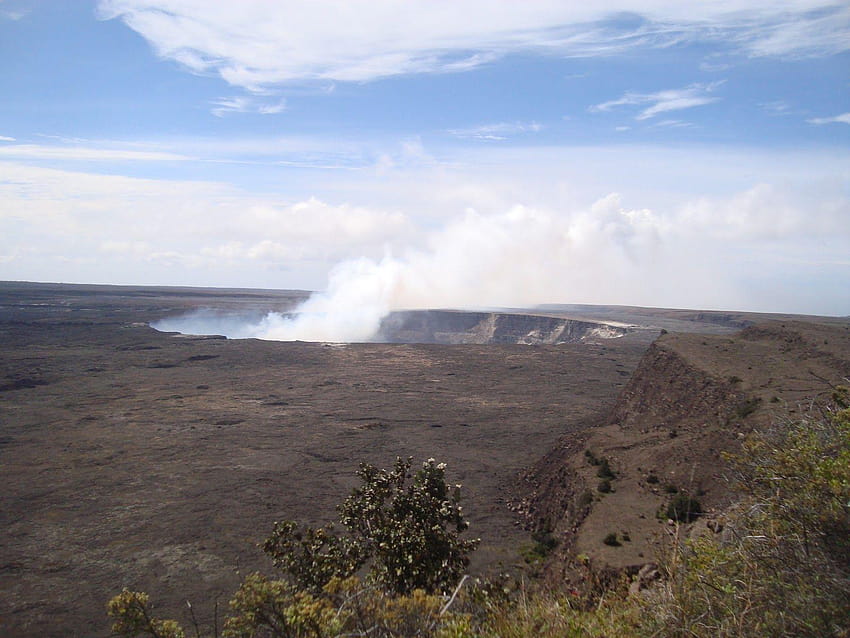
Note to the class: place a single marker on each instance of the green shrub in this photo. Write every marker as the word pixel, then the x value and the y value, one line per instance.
pixel 591 457
pixel 605 471
pixel 584 499
pixel 783 567
pixel 683 508
pixel 404 526
pixel 408 532
pixel 611 539
pixel 544 543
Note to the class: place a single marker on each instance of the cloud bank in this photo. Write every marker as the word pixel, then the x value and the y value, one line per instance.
pixel 260 44
pixel 524 256
pixel 492 227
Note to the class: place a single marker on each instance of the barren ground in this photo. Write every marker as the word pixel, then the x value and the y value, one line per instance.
pixel 130 457
pixel 134 458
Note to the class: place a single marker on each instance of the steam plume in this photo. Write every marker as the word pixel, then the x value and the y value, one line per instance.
pixel 520 258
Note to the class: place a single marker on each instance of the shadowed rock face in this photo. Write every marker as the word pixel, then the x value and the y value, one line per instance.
pixel 453 327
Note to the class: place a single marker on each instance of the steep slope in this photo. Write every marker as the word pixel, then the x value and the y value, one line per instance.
pixel 691 397
pixel 453 327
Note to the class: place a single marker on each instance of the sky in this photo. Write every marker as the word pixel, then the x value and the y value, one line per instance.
pixel 433 153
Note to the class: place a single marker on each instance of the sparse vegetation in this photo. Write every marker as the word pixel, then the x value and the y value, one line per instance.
pixel 584 499
pixel 543 544
pixel 683 508
pixel 605 471
pixel 404 526
pixel 747 407
pixel 611 540
pixel 782 568
pixel 604 486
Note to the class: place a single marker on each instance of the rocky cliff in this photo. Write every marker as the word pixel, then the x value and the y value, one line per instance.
pixel 691 398
pixel 453 327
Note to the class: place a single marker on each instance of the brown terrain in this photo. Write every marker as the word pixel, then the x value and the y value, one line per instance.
pixel 156 461
pixel 692 397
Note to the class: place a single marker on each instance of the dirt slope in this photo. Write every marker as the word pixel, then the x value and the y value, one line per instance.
pixel 691 397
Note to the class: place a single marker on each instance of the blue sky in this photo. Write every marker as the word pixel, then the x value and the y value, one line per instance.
pixel 425 153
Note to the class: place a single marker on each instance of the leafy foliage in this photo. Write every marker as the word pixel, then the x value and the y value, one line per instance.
pixel 132 614
pixel 277 608
pixel 782 565
pixel 312 557
pixel 410 529
pixel 683 508
pixel 405 526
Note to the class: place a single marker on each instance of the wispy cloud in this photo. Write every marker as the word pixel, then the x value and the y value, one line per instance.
pixel 776 107
pixel 256 44
pixel 42 152
pixel 663 101
pixel 13 14
pixel 5 138
pixel 672 124
pixel 844 118
pixel 244 104
pixel 498 131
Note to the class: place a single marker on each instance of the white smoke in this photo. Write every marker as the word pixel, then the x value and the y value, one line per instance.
pixel 520 258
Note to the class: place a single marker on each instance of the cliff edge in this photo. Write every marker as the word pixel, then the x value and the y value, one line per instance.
pixel 603 492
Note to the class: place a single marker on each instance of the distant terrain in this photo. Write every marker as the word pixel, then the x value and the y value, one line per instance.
pixel 132 457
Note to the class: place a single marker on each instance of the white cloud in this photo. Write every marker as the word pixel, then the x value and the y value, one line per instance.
pixel 255 44
pixel 206 231
pixel 672 124
pixel 242 104
pixel 37 151
pixel 501 226
pixel 766 212
pixel 776 107
pixel 5 138
pixel 14 14
pixel 663 101
pixel 499 131
pixel 844 118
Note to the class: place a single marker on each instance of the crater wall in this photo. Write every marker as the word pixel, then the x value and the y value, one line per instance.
pixel 453 327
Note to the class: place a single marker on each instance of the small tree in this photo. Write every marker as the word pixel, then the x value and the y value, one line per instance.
pixel 407 525
pixel 314 556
